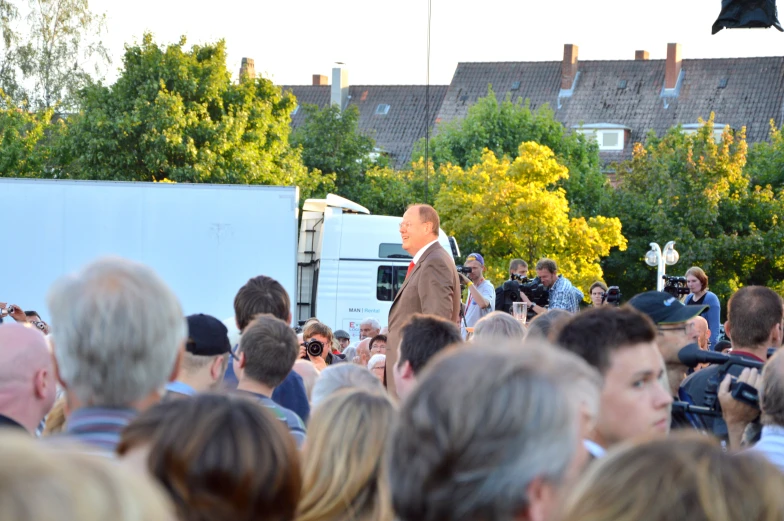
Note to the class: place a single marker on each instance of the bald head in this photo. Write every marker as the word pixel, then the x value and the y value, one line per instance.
pixel 27 381
pixel 701 333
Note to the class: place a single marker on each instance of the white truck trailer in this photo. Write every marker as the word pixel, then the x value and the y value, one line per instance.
pixel 205 241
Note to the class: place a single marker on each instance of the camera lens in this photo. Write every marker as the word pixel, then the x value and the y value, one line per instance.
pixel 314 348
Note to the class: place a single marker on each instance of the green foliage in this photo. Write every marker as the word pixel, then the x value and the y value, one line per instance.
pixel 175 114
pixel 501 126
pixel 507 208
pixel 694 191
pixel 25 139
pixel 332 144
pixel 385 191
pixel 766 160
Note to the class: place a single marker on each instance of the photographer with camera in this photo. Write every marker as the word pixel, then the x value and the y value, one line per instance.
pixel 481 294
pixel 509 292
pixel 317 346
pixel 597 292
pixel 23 317
pixel 754 323
pixel 562 294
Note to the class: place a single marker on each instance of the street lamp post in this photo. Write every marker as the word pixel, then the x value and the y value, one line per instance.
pixel 655 258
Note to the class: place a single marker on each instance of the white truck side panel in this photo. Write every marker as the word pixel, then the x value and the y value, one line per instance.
pixel 205 241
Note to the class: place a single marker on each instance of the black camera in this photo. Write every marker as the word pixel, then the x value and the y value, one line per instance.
pixel 465 270
pixel 675 286
pixel 612 296
pixel 313 348
pixel 519 278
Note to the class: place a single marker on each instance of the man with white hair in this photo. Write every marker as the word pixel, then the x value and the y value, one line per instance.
pixel 27 380
pixel 369 328
pixel 118 337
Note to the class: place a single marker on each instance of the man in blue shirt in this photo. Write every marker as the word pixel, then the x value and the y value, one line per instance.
pixel 267 352
pixel 207 353
pixel 563 295
pixel 265 295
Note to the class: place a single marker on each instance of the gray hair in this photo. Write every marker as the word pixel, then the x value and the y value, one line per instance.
pixel 372 321
pixel 378 357
pixel 462 452
pixel 771 394
pixel 117 329
pixel 343 376
pixel 498 325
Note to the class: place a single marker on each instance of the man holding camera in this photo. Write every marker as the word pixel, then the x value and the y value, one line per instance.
pixel 509 291
pixel 481 294
pixel 317 346
pixel 754 324
pixel 563 295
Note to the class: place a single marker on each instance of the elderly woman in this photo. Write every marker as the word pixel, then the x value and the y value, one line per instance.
pixel 697 282
pixel 377 365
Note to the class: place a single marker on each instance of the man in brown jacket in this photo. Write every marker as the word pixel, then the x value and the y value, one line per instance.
pixel 431 286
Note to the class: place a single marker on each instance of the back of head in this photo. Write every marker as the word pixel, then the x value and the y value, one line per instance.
pixel 423 336
pixel 464 452
pixel 343 472
pixel 752 312
pixel 270 349
pixel 219 457
pixel 498 325
pixel 117 329
pixel 39 482
pixel 23 352
pixel 686 477
pixel 259 295
pixel 309 374
pixel 595 333
pixel 543 325
pixel 343 376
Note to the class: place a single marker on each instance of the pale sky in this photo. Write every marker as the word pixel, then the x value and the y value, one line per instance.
pixel 384 42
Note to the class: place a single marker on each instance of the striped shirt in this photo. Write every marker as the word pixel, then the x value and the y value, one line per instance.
pixel 98 427
pixel 293 422
pixel 771 445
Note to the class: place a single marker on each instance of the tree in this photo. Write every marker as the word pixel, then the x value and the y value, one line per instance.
pixel 765 164
pixel 695 191
pixel 61 44
pixel 507 208
pixel 501 126
pixel 385 191
pixel 25 140
pixel 175 114
pixel 332 143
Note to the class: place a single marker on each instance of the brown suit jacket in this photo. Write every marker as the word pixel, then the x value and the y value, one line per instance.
pixel 433 288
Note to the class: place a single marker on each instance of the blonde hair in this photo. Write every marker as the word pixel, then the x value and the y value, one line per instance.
pixel 347 480
pixel 39 482
pixel 682 478
pixel 55 420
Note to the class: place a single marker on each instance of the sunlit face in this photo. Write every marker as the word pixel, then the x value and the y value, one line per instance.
pixel 414 233
pixel 548 278
pixel 476 270
pixel 693 283
pixel 367 331
pixel 634 402
pixel 597 295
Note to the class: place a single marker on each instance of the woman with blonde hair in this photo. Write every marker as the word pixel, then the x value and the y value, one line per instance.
pixel 346 481
pixel 685 477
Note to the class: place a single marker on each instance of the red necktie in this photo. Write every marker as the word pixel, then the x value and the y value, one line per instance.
pixel 410 268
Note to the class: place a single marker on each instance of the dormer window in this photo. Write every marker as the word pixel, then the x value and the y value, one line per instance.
pixel 692 128
pixel 609 136
pixel 382 109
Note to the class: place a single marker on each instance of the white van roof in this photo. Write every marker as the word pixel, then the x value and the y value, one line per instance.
pixel 333 201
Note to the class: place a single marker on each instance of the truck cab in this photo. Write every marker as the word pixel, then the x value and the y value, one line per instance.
pixel 350 264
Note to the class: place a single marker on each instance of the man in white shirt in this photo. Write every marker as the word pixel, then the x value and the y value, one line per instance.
pixel 481 294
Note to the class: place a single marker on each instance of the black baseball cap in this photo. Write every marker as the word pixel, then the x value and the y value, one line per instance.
pixel 663 308
pixel 341 334
pixel 207 336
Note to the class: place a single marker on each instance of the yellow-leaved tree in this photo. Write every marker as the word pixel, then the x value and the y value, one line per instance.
pixel 513 209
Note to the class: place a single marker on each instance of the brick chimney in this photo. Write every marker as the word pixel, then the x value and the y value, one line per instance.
pixel 641 55
pixel 320 79
pixel 673 68
pixel 247 69
pixel 569 66
pixel 339 93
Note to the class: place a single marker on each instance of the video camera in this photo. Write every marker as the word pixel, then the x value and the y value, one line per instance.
pixel 691 356
pixel 612 296
pixel 675 286
pixel 465 270
pixel 533 289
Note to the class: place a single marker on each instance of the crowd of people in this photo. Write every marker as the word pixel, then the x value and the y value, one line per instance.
pixel 125 409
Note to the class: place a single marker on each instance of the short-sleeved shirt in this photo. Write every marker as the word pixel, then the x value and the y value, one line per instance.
pixel 472 311
pixel 293 422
